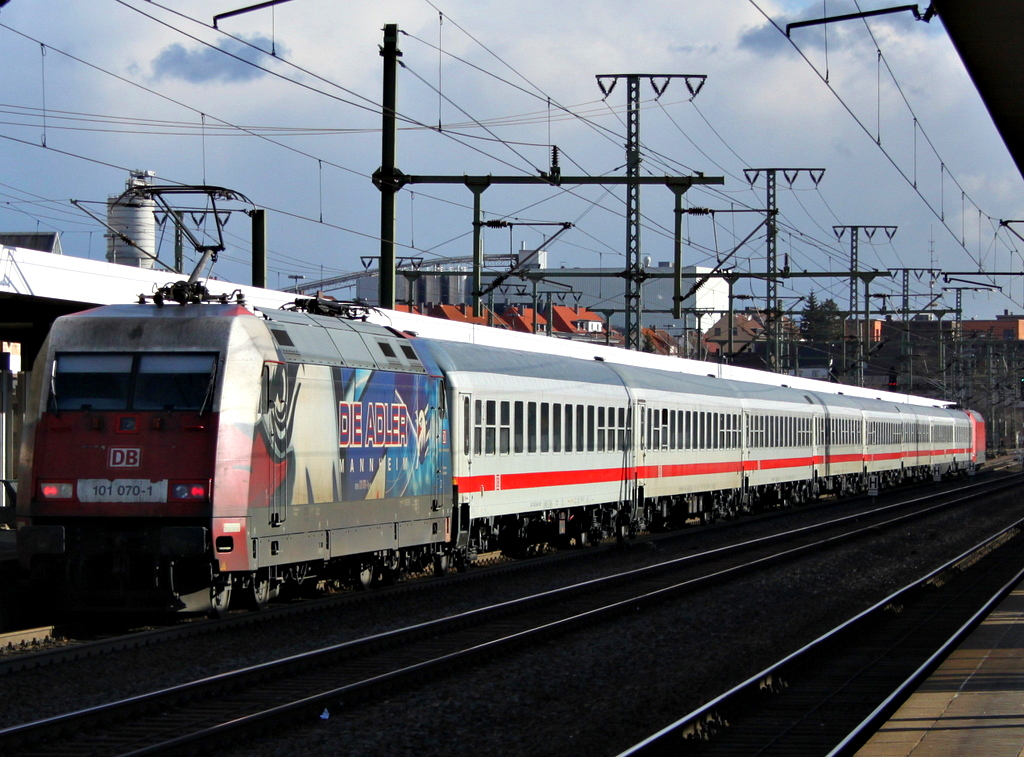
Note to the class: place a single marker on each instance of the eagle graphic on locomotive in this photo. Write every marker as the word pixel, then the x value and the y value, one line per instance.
pixel 194 456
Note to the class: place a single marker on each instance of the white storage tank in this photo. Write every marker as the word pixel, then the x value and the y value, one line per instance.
pixel 134 216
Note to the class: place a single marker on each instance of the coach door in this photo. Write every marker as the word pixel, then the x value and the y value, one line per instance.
pixel 634 485
pixel 823 440
pixel 273 428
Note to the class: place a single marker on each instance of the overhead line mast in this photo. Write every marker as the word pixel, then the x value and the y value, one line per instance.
pixel 389 180
pixel 634 273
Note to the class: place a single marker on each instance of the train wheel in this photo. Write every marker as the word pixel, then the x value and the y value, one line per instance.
pixel 440 563
pixel 220 599
pixel 364 575
pixel 259 590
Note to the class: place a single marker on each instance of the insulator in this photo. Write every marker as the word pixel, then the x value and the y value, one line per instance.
pixel 554 156
pixel 699 211
pixel 496 224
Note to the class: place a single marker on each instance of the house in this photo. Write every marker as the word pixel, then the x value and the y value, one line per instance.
pixel 578 320
pixel 525 319
pixel 464 314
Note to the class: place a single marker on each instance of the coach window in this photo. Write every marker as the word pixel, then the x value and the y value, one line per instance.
pixel 517 427
pixel 715 420
pixel 556 427
pixel 600 429
pixel 580 428
pixel 545 427
pixel 531 427
pixel 478 427
pixel 568 428
pixel 491 433
pixel 466 426
pixel 590 428
pixel 505 430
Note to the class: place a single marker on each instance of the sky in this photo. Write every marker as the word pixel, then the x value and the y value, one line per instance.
pixel 282 105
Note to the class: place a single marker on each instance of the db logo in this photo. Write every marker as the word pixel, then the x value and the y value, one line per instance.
pixel 124 457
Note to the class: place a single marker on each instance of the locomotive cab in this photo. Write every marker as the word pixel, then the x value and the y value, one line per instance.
pixel 118 467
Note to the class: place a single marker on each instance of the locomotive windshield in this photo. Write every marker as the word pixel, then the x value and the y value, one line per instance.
pixel 151 381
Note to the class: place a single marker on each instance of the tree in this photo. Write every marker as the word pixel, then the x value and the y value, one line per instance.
pixel 821 321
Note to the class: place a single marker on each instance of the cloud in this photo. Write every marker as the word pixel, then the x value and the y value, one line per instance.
pixel 224 63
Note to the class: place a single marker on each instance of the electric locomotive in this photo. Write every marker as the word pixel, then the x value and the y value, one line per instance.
pixel 180 457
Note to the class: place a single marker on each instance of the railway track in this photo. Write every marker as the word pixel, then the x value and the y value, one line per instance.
pixel 237 703
pixel 52 645
pixel 829 697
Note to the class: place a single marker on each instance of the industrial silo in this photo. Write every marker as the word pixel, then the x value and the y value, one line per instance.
pixel 132 214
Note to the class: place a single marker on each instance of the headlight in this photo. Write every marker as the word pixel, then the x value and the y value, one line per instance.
pixel 56 490
pixel 189 491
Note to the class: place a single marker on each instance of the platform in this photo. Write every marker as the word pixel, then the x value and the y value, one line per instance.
pixel 973 704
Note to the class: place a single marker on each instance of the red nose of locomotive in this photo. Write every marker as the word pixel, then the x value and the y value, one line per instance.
pixel 126 435
pixel 122 470
pixel 113 464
